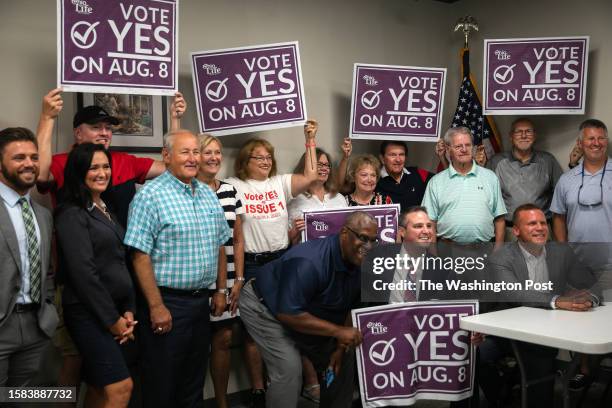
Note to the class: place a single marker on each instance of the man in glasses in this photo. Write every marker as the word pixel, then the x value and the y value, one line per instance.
pixel 465 200
pixel 301 302
pixel 525 175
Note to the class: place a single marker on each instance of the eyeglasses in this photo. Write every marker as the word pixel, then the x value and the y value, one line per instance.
pixel 526 132
pixel 458 148
pixel 323 165
pixel 364 238
pixel 600 202
pixel 261 159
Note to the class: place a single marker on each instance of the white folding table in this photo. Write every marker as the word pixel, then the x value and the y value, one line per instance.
pixel 582 332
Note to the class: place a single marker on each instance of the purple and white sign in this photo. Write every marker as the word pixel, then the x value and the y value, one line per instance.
pixel 535 76
pixel 397 103
pixel 248 89
pixel 413 351
pixel 323 223
pixel 118 46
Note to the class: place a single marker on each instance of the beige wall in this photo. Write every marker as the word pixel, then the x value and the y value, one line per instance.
pixel 333 35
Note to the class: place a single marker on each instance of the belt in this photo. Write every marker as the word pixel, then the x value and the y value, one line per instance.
pixel 26 307
pixel 263 257
pixel 184 292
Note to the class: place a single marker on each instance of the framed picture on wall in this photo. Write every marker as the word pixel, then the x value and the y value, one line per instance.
pixel 143 119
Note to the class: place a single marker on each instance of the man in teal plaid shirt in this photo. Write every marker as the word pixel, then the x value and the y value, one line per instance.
pixel 176 228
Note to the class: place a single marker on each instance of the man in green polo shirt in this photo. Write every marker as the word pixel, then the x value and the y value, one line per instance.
pixel 465 200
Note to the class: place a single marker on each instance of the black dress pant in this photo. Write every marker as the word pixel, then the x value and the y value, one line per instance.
pixel 173 365
pixel 539 362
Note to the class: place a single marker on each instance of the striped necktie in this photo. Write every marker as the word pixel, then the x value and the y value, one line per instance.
pixel 33 249
pixel 410 294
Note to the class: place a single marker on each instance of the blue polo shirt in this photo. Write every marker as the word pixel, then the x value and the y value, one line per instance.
pixel 311 278
pixel 585 223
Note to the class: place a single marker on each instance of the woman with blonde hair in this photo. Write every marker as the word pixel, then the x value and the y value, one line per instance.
pixel 211 159
pixel 363 174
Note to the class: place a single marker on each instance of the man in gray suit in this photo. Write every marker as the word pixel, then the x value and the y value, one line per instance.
pixel 559 281
pixel 557 277
pixel 27 315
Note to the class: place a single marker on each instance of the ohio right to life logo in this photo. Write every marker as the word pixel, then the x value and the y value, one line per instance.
pixel 320 226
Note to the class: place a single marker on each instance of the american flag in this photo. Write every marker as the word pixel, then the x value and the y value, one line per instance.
pixel 469 111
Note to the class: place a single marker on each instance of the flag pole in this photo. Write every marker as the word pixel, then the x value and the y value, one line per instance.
pixel 469 112
pixel 466 24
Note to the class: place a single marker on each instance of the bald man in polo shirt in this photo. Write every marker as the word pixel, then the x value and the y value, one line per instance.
pixel 465 200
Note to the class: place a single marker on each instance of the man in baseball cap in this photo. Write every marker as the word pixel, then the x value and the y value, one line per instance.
pixel 94 124
pixel 93 114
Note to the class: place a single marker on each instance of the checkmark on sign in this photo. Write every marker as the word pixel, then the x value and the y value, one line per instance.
pixel 382 352
pixel 504 74
pixel 370 99
pixel 216 91
pixel 84 34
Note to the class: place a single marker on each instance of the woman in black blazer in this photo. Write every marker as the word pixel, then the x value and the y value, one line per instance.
pixel 98 297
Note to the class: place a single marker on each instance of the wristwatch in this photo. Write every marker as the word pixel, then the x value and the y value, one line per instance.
pixel 224 291
pixel 239 278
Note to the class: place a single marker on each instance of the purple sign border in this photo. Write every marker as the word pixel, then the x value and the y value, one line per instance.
pixel 349 210
pixel 356 314
pixel 395 136
pixel 127 88
pixel 539 110
pixel 261 126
